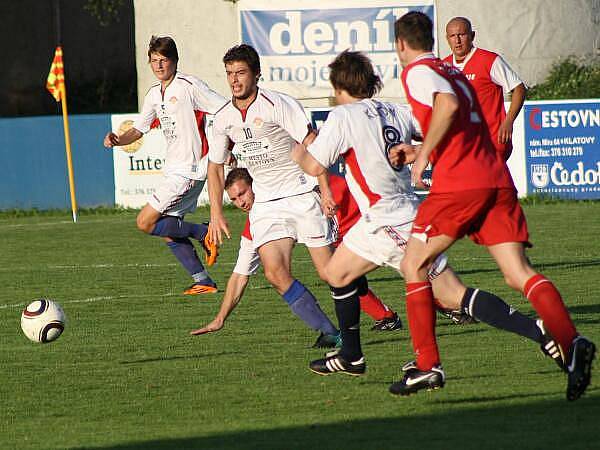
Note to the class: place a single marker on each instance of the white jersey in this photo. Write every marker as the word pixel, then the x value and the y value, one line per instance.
pixel 264 135
pixel 362 133
pixel 175 110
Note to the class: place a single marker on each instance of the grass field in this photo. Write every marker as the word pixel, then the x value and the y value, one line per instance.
pixel 127 375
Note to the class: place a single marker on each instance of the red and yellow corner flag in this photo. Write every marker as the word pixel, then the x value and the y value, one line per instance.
pixel 56 78
pixel 56 85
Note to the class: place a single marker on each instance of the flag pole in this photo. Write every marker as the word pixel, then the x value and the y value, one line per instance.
pixel 63 99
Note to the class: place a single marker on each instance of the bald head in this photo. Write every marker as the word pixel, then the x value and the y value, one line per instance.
pixel 460 35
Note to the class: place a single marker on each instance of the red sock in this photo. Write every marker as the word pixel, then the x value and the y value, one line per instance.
pixel 374 307
pixel 549 305
pixel 420 311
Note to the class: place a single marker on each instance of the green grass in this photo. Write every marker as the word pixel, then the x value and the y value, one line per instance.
pixel 127 375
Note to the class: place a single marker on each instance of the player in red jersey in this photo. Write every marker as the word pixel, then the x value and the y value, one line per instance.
pixel 472 194
pixel 490 77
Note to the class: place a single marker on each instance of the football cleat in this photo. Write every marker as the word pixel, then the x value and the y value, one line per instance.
pixel 328 340
pixel 335 363
pixel 582 353
pixel 211 251
pixel 414 379
pixel 388 324
pixel 202 287
pixel 458 317
pixel 550 348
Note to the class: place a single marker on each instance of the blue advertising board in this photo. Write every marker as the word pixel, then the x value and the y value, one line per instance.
pixel 562 149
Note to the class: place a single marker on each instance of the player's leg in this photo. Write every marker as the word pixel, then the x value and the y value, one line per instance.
pixel 163 215
pixel 488 308
pixel 385 318
pixel 185 252
pixel 578 352
pixel 276 259
pixel 342 270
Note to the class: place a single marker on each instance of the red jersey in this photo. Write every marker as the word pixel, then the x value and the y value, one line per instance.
pixel 347 213
pixel 465 158
pixel 246 231
pixel 478 69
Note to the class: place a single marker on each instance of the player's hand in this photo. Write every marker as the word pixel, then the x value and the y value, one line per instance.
pixel 328 206
pixel 215 325
pixel 416 172
pixel 505 132
pixel 231 161
pixel 110 140
pixel 217 227
pixel 401 154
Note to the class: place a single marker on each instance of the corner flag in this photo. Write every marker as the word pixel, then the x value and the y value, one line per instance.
pixel 56 85
pixel 56 78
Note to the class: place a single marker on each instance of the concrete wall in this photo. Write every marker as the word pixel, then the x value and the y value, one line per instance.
pixel 530 34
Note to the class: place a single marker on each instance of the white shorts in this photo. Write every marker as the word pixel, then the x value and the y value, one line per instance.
pixel 248 260
pixel 298 217
pixel 176 195
pixel 386 246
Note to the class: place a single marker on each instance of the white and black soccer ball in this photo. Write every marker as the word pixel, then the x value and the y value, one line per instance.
pixel 43 320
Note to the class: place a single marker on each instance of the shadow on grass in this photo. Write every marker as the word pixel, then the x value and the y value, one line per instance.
pixel 171 358
pixel 468 424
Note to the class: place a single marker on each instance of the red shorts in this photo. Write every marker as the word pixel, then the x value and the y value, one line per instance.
pixel 487 216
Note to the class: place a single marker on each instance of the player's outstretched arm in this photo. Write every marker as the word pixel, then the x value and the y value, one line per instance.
pixel 111 139
pixel 236 285
pixel 216 183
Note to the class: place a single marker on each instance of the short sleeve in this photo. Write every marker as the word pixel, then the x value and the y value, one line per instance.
pixel 422 82
pixel 204 98
pixel 503 75
pixel 218 150
pixel 331 140
pixel 291 117
pixel 248 260
pixel 146 116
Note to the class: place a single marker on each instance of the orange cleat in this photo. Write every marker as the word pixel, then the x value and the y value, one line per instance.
pixel 211 251
pixel 207 287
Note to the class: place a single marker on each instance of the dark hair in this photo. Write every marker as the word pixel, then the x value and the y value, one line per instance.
pixel 416 29
pixel 239 173
pixel 245 53
pixel 353 72
pixel 163 45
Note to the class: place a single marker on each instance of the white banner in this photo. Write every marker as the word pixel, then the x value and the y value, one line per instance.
pixel 297 40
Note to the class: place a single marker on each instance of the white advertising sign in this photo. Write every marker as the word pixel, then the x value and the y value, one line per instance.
pixel 297 40
pixel 138 166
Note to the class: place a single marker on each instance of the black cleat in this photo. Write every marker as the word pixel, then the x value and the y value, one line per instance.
pixel 458 317
pixel 414 379
pixel 582 353
pixel 335 363
pixel 388 324
pixel 550 348
pixel 328 341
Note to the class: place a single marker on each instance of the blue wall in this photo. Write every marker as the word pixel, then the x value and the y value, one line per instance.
pixel 34 163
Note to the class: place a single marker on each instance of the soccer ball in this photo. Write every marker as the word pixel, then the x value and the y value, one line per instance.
pixel 43 320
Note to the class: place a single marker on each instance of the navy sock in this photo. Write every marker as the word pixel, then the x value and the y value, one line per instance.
pixel 347 309
pixel 176 227
pixel 304 305
pixel 184 251
pixel 490 309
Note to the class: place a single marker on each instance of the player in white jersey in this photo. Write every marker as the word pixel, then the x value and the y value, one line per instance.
pixel 178 104
pixel 263 125
pixel 363 131
pixel 238 186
